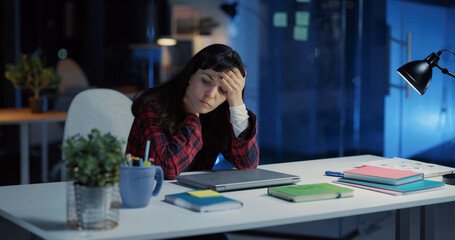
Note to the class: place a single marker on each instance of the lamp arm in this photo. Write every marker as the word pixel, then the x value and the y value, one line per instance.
pixel 445 71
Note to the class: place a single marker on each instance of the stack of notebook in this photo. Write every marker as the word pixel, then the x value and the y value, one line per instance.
pixel 386 180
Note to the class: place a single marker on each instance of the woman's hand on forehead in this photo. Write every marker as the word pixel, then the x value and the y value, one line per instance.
pixel 233 82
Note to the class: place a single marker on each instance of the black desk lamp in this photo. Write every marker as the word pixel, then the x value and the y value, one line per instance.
pixel 418 73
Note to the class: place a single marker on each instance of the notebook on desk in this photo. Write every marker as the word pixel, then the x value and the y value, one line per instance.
pixel 229 180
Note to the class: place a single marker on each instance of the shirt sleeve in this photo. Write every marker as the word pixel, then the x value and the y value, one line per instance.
pixel 239 119
pixel 173 154
pixel 244 151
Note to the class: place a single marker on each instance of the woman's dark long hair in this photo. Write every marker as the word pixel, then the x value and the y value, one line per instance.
pixel 215 124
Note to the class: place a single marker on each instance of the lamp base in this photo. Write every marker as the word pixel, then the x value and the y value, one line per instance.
pixel 449 179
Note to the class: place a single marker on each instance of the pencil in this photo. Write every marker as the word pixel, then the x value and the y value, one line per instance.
pixel 147 148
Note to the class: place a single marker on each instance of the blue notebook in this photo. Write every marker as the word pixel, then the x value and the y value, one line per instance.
pixel 203 204
pixel 404 188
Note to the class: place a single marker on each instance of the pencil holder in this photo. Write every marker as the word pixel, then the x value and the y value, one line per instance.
pixel 139 184
pixel 92 208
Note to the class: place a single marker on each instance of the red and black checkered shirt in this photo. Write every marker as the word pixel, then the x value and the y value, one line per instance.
pixel 178 152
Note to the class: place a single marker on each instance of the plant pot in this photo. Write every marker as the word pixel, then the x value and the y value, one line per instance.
pixel 92 208
pixel 36 104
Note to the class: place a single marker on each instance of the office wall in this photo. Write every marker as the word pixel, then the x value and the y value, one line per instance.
pixel 8 50
pixel 323 96
pixel 301 79
pixel 243 32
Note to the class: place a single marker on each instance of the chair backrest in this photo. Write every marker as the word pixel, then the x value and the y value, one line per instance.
pixel 105 109
pixel 72 75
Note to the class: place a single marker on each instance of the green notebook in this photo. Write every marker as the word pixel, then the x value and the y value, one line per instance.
pixel 310 192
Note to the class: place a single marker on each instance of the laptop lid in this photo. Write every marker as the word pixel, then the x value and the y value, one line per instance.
pixel 228 180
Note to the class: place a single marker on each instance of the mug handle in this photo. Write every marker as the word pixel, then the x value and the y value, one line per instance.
pixel 160 178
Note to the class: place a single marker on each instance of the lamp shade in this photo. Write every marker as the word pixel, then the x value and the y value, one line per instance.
pixel 166 41
pixel 230 9
pixel 418 73
pixel 162 11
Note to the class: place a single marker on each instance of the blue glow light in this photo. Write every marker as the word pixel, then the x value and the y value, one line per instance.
pixel 62 53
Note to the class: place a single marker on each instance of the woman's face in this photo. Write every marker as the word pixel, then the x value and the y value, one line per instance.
pixel 204 92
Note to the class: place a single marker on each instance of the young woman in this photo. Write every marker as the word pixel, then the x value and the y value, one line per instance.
pixel 196 115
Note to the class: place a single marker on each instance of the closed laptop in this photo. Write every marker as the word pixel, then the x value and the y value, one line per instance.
pixel 229 180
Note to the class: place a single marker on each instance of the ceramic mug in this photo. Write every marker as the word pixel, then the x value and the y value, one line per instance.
pixel 137 185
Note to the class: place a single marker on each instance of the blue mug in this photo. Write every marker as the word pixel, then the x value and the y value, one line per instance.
pixel 137 185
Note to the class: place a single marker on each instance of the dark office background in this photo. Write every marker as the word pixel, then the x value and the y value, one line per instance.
pixel 335 93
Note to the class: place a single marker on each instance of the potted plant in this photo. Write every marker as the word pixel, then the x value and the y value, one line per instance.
pixel 30 73
pixel 93 166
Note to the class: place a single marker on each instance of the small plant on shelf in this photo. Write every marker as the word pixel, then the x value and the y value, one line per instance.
pixel 30 73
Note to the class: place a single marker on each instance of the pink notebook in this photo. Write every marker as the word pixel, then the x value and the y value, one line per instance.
pixel 383 175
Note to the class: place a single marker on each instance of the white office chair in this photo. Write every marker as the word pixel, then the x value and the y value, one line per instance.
pixel 72 75
pixel 104 109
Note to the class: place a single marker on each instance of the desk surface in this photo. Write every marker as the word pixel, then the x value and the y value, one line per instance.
pixel 24 115
pixel 40 208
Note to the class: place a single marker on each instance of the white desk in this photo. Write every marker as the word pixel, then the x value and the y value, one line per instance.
pixel 41 208
pixel 23 117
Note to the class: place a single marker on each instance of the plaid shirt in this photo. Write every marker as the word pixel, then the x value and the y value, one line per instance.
pixel 186 147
